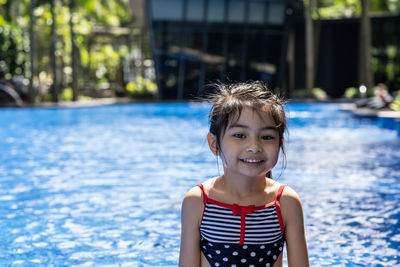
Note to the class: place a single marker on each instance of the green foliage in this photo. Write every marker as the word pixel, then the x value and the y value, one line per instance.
pixel 319 94
pixel 316 93
pixel 142 88
pixel 99 57
pixel 332 9
pixel 395 105
pixel 66 94
pixel 352 92
pixel 46 97
pixel 391 51
pixel 386 65
pixel 300 93
pixel 14 49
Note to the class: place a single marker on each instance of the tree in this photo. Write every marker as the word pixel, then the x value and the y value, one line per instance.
pixel 310 70
pixel 73 53
pixel 365 75
pixel 56 36
pixel 32 51
pixel 55 89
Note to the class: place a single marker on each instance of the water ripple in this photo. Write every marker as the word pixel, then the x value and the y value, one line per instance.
pixel 103 186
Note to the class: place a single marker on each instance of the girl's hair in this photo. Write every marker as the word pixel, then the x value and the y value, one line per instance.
pixel 228 101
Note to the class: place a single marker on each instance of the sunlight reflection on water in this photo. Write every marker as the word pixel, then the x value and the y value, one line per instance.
pixel 103 186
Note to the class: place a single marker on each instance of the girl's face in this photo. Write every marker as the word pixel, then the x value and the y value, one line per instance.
pixel 250 145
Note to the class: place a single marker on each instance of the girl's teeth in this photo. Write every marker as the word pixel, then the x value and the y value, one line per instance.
pixel 252 160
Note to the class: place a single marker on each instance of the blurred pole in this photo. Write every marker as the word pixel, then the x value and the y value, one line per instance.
pixel 156 55
pixel 309 48
pixel 74 54
pixel 365 75
pixel 291 64
pixel 53 52
pixel 31 94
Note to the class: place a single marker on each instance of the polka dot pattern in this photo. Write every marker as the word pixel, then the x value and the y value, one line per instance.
pixel 222 255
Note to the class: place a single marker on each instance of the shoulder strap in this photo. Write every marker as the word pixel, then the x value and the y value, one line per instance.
pixel 279 194
pixel 205 197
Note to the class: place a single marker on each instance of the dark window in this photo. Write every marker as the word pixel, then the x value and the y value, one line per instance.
pixel 276 12
pixel 216 10
pixel 169 76
pixel 256 12
pixel 235 57
pixel 167 10
pixel 213 57
pixel 195 10
pixel 236 13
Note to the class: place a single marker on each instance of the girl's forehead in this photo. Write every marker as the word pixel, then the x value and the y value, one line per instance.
pixel 248 114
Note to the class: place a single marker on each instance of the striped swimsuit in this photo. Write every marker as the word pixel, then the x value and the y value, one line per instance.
pixel 233 235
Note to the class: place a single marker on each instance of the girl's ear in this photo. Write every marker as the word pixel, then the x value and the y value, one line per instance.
pixel 212 143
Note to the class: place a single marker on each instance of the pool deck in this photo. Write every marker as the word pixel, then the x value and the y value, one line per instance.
pixel 387 118
pixel 368 112
pixel 88 103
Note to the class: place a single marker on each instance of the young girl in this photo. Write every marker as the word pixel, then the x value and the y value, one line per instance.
pixel 243 217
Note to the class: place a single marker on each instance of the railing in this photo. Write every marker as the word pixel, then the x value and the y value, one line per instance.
pixel 11 92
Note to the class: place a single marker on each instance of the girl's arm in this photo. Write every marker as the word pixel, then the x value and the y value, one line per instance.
pixel 192 209
pixel 292 214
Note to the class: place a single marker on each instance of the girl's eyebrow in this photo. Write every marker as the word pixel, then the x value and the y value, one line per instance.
pixel 247 127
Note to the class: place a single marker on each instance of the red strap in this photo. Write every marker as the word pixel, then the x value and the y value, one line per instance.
pixel 205 197
pixel 279 194
pixel 278 208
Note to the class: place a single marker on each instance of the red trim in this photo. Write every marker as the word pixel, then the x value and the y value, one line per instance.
pixel 231 206
pixel 278 208
pixel 280 190
pixel 205 198
pixel 242 227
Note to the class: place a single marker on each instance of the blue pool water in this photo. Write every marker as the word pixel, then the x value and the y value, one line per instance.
pixel 102 186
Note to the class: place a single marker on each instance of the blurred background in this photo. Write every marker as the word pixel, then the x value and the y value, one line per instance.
pixel 171 49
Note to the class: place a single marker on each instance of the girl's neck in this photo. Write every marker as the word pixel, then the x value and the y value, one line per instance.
pixel 243 186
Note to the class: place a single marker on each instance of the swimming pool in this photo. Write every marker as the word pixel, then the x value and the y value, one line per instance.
pixel 102 186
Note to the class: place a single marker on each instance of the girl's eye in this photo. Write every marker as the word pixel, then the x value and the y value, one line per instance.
pixel 238 135
pixel 267 137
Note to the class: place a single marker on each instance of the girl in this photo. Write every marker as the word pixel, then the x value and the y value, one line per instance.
pixel 243 217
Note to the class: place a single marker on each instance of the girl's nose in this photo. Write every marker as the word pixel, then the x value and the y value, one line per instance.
pixel 254 147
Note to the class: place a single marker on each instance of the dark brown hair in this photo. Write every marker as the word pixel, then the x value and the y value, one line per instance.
pixel 228 101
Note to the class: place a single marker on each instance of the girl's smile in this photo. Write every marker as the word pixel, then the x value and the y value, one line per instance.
pixel 252 162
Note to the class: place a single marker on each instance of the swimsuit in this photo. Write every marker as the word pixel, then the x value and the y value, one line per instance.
pixel 234 235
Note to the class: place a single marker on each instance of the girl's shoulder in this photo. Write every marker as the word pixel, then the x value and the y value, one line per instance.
pixel 195 195
pixel 290 205
pixel 289 195
pixel 192 207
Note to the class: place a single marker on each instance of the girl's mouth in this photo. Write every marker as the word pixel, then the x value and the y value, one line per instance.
pixel 252 161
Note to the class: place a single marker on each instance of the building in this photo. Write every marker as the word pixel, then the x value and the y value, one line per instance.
pixel 198 42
